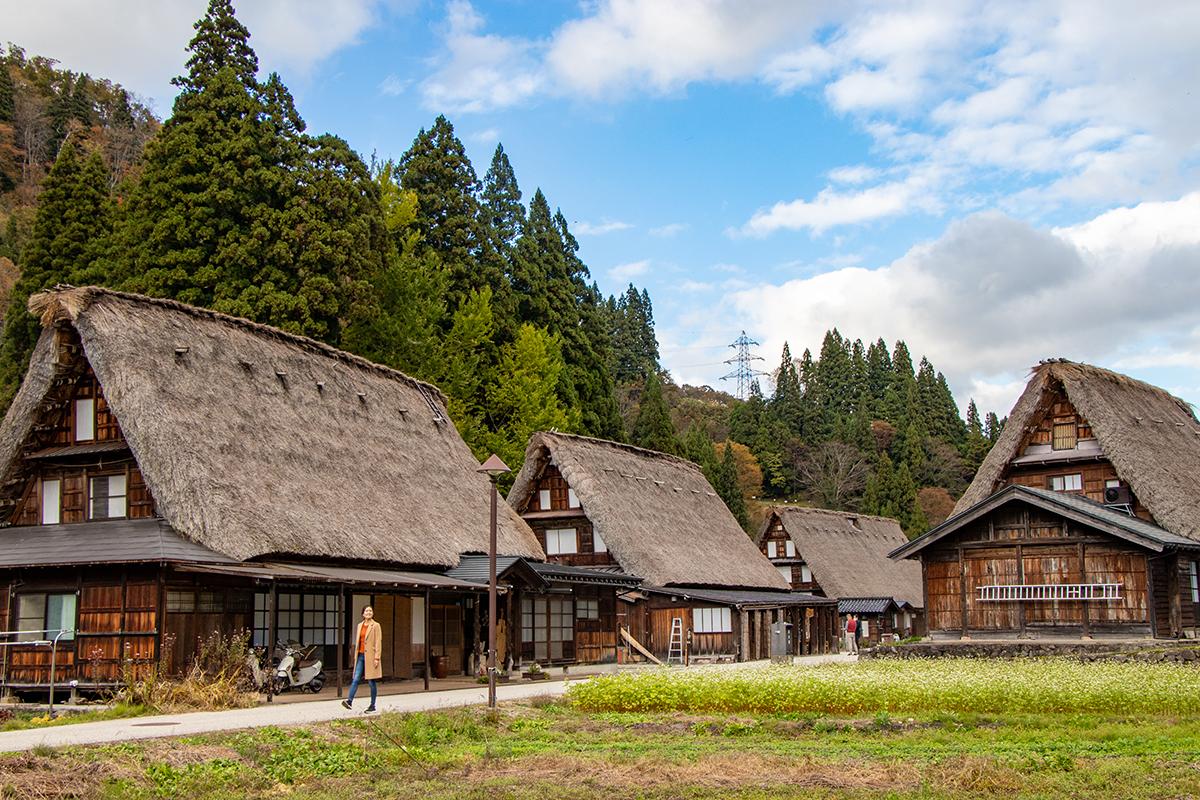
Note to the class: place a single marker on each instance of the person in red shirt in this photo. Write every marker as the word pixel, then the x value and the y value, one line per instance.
pixel 852 634
pixel 368 640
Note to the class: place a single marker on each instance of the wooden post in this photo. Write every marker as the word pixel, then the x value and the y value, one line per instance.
pixel 271 605
pixel 962 591
pixel 1020 603
pixel 1083 606
pixel 159 612
pixel 744 635
pixel 1151 612
pixel 428 602
pixel 340 611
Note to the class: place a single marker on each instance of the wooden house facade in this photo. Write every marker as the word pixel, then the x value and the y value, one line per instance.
pixel 1084 520
pixel 169 471
pixel 608 506
pixel 844 555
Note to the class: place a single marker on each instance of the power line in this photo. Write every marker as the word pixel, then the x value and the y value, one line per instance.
pixel 743 372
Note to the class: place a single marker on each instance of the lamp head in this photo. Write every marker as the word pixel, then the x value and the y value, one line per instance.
pixel 493 466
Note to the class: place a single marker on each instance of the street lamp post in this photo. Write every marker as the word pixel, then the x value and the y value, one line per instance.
pixel 494 468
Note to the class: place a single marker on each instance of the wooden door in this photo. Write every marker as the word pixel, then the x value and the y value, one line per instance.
pixel 386 617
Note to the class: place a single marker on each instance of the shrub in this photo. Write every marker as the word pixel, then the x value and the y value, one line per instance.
pixel 217 677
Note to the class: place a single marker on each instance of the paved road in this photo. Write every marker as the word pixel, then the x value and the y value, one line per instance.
pixel 119 730
pixel 299 713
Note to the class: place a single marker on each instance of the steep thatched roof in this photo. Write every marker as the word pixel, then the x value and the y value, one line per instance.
pixel 657 513
pixel 255 442
pixel 1151 437
pixel 848 552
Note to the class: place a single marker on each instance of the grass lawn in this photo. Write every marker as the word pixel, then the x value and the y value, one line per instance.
pixel 560 750
pixel 25 719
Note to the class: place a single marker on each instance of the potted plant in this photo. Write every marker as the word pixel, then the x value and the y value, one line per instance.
pixel 534 672
pixel 502 676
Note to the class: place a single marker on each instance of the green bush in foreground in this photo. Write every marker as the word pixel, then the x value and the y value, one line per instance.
pixel 949 685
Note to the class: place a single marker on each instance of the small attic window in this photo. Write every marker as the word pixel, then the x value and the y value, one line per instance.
pixel 1066 435
pixel 789 549
pixel 85 419
pixel 544 500
pixel 572 499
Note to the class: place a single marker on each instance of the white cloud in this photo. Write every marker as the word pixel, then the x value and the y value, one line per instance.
pixel 142 45
pixel 599 228
pixel 480 72
pixel 994 295
pixel 832 207
pixel 394 85
pixel 669 230
pixel 662 45
pixel 855 174
pixel 485 136
pixel 633 269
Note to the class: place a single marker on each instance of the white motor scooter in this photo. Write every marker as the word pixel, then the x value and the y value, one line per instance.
pixel 290 675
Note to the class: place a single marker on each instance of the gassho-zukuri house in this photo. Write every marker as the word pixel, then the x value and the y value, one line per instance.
pixel 169 471
pixel 844 555
pixel 706 592
pixel 1084 520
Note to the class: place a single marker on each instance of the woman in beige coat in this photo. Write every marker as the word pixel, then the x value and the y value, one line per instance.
pixel 368 642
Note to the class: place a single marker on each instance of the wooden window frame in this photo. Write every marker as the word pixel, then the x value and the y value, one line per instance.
pixel 1059 443
pixel 46 629
pixel 90 417
pixel 712 619
pixel 558 532
pixel 42 500
pixel 1064 478
pixel 90 478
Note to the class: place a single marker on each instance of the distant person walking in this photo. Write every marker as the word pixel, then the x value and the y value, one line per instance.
pixel 369 639
pixel 852 634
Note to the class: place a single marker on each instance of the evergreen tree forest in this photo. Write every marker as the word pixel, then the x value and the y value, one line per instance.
pixel 419 263
pixel 232 204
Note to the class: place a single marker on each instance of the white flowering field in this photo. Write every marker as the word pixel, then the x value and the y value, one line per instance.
pixel 945 685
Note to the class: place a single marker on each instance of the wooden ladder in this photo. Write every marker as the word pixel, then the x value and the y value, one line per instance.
pixel 675 649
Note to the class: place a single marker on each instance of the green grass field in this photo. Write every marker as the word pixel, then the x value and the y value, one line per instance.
pixel 562 750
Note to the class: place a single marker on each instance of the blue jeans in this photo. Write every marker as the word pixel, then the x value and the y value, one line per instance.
pixel 360 667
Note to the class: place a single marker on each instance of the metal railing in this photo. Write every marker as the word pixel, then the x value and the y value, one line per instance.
pixel 1049 592
pixel 51 643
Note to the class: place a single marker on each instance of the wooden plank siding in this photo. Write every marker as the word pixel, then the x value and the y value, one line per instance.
pixel 1027 546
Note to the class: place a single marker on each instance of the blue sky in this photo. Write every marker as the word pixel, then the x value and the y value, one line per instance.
pixel 994 182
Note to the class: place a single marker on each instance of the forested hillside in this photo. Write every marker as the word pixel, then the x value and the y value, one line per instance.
pixel 858 427
pixel 232 204
pixel 418 263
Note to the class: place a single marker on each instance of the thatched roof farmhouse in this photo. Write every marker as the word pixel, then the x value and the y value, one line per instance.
pixel 658 515
pixel 1084 518
pixel 846 552
pixel 255 442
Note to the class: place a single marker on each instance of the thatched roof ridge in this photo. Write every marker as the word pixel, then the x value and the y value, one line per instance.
pixel 1151 437
pixel 657 513
pixel 256 442
pixel 850 561
pixel 67 302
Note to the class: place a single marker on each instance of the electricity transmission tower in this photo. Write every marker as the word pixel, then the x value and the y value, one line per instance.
pixel 743 372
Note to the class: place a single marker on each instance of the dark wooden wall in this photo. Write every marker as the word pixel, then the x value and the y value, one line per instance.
pixel 1056 409
pixel 117 614
pixel 1024 545
pixel 596 639
pixel 586 557
pixel 776 534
